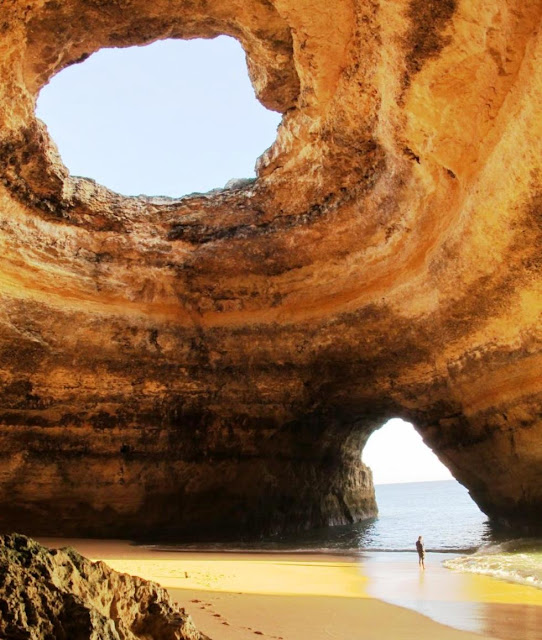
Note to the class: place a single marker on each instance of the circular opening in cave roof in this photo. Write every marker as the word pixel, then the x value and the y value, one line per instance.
pixel 170 118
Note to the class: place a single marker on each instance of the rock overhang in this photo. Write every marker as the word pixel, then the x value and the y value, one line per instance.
pixel 253 337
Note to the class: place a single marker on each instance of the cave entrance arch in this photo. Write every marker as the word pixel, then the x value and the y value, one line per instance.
pixel 170 118
pixel 416 494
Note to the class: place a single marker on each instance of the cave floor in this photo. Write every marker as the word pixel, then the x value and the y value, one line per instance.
pixel 291 596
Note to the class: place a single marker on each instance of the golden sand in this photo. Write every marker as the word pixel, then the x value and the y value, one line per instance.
pixel 297 596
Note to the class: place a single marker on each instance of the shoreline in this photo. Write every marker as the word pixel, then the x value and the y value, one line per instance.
pixel 378 595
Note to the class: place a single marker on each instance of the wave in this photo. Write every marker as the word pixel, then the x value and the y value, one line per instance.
pixel 518 561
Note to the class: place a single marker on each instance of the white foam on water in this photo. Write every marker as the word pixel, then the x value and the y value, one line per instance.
pixel 518 561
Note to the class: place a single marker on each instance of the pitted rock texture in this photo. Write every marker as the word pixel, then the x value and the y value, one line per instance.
pixel 60 595
pixel 215 364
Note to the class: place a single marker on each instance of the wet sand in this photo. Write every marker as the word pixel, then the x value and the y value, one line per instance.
pixel 296 596
pixel 477 603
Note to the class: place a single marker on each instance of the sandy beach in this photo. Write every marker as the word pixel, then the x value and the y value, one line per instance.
pixel 380 596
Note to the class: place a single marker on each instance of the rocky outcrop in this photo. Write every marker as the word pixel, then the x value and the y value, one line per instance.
pixel 59 595
pixel 216 363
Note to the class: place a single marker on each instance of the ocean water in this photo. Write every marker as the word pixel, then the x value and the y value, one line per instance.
pixel 442 512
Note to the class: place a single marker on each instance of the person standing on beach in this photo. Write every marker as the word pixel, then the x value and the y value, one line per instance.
pixel 421 552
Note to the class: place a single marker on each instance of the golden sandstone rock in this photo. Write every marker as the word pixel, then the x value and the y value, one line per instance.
pixel 215 364
pixel 58 594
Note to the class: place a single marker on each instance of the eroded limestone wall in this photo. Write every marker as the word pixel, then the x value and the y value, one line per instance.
pixel 215 363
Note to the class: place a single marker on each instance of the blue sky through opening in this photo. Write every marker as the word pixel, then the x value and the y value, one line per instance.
pixel 170 118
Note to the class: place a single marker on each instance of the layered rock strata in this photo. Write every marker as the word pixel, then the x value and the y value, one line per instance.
pixel 58 594
pixel 216 363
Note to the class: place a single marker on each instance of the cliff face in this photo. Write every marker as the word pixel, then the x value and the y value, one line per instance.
pixel 59 594
pixel 216 363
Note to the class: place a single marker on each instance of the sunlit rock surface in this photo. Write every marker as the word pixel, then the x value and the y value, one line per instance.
pixel 215 364
pixel 60 594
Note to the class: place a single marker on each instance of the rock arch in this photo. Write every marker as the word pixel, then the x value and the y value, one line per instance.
pixel 215 363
